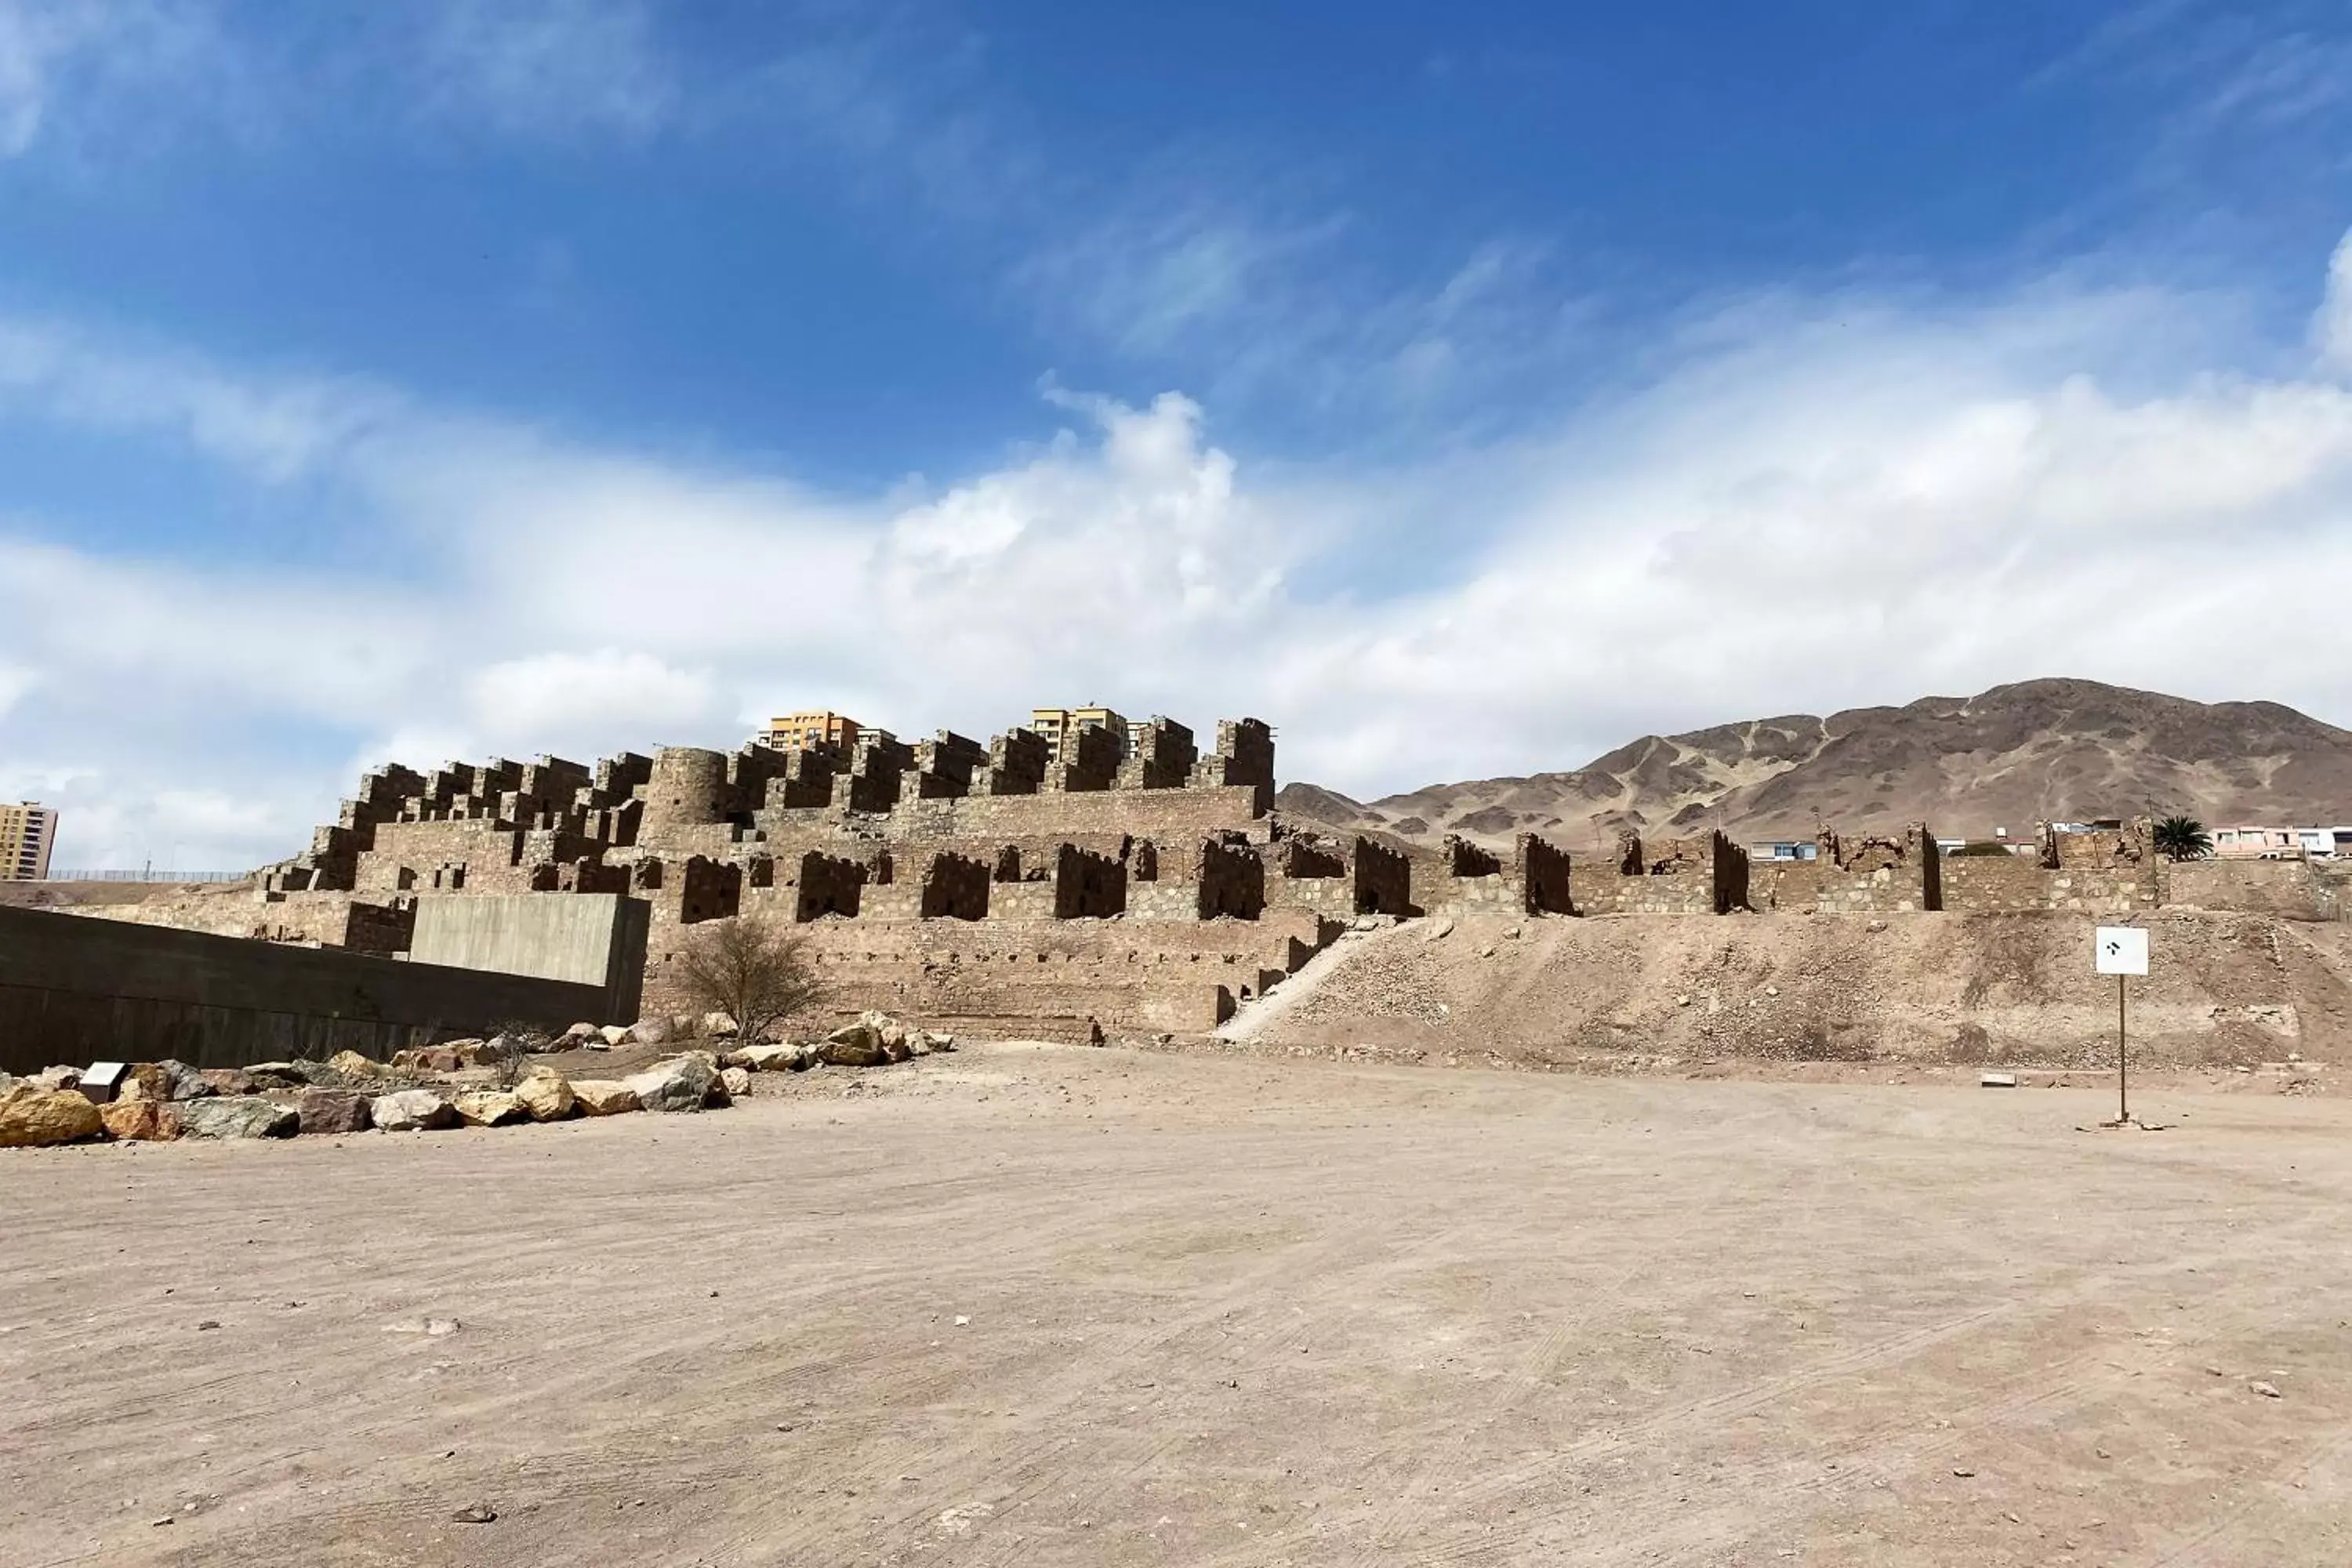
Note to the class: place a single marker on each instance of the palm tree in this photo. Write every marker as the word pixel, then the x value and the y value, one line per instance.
pixel 2182 839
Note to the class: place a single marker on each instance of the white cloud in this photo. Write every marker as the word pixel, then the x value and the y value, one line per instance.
pixel 535 703
pixel 272 426
pixel 548 66
pixel 113 70
pixel 14 684
pixel 1812 505
pixel 2334 326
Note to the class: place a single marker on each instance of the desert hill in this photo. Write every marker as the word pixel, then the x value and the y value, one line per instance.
pixel 2037 750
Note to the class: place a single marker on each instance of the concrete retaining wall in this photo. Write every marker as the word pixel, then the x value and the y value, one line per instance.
pixel 78 991
pixel 588 938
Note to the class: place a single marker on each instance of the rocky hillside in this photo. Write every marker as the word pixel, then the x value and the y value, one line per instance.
pixel 2058 749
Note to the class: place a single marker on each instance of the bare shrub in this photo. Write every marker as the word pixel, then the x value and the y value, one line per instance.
pixel 755 973
pixel 522 1040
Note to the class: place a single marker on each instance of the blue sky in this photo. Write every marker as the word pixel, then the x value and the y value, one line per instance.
pixel 472 376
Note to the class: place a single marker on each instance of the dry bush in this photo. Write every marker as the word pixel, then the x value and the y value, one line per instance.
pixel 521 1039
pixel 755 973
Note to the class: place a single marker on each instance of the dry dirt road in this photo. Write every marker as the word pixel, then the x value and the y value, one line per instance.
pixel 1027 1305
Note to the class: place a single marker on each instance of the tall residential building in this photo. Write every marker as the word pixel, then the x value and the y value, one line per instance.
pixel 1053 724
pixel 26 833
pixel 818 727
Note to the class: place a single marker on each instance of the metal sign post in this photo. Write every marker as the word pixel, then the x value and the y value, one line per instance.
pixel 2123 1058
pixel 2121 951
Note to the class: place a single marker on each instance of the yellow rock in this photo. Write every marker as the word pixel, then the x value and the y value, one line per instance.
pixel 140 1120
pixel 490 1107
pixel 604 1097
pixel 30 1116
pixel 545 1094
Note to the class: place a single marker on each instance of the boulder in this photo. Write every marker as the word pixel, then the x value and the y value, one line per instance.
pixel 230 1081
pixel 865 1052
pixel 604 1097
pixel 334 1111
pixel 143 1080
pixel 682 1083
pixel 652 1031
pixel 237 1116
pixel 614 1035
pixel 412 1110
pixel 937 1043
pixel 31 1116
pixel 353 1065
pixel 898 1050
pixel 544 1094
pixel 490 1107
pixel 281 1075
pixel 736 1081
pixel 141 1120
pixel 766 1059
pixel 162 1080
pixel 863 1032
pixel 58 1078
pixel 716 1024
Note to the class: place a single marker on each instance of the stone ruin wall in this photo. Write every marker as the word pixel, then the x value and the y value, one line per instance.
pixel 988 885
pixel 1704 874
pixel 1867 875
pixel 2291 889
pixel 2105 871
pixel 966 881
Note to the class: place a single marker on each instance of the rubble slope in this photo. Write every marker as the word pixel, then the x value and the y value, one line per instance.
pixel 2228 990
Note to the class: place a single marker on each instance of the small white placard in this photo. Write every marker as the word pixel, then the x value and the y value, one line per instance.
pixel 2122 950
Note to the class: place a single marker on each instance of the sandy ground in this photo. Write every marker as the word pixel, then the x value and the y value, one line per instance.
pixel 1035 1305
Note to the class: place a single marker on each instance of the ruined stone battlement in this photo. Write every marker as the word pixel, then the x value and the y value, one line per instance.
pixel 723 821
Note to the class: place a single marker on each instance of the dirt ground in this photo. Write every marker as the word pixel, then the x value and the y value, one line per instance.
pixel 1042 1305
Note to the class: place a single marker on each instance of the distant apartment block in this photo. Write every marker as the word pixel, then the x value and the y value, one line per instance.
pixel 27 832
pixel 818 727
pixel 1053 723
pixel 2245 841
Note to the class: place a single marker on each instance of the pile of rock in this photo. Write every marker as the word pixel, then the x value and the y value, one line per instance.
pixel 872 1040
pixel 157 1101
pixel 460 1083
pixel 652 1031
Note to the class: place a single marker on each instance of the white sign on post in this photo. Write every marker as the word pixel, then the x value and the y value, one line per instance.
pixel 2122 950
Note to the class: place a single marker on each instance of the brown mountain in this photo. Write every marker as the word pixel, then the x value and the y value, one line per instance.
pixel 2039 750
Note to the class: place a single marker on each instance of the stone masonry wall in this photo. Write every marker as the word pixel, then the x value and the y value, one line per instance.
pixel 1704 874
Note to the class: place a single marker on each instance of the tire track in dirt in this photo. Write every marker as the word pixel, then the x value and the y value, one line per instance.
pixel 1442 1471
